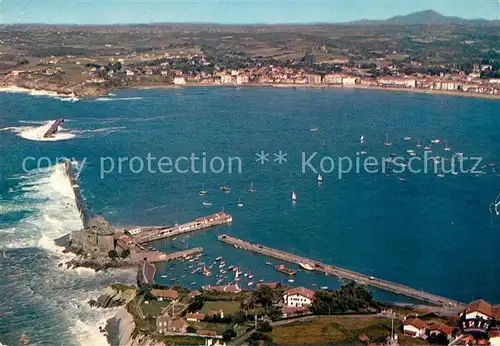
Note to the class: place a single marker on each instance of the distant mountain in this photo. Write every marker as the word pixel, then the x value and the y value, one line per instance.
pixel 428 17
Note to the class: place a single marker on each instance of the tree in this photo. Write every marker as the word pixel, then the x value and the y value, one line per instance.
pixel 191 329
pixel 125 253
pixel 228 334
pixel 264 327
pixel 196 304
pixel 113 254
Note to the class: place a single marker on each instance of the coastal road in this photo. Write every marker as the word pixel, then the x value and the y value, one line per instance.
pixel 148 271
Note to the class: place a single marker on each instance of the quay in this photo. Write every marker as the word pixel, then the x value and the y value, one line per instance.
pixel 342 273
pixel 149 234
pixel 53 128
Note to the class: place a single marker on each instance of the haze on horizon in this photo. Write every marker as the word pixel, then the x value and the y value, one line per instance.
pixel 232 11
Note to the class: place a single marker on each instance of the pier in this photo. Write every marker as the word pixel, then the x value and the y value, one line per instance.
pixel 53 128
pixel 149 234
pixel 342 273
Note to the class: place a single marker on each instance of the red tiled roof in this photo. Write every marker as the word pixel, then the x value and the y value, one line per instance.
pixel 195 316
pixel 481 306
pixel 496 311
pixel 441 327
pixel 170 294
pixel 302 291
pixel 415 322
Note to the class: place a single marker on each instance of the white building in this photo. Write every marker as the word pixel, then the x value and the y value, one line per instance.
pixel 242 79
pixel 130 73
pixel 298 296
pixel 333 78
pixel 414 327
pixel 134 231
pixel 179 80
pixel 350 80
pixel 447 85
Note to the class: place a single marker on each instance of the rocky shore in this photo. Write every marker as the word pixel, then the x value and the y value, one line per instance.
pixel 120 330
pixel 100 264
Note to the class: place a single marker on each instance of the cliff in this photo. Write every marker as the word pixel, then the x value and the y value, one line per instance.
pixel 121 328
pixel 114 295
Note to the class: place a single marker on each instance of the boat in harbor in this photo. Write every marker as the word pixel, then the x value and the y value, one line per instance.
pixel 282 269
pixel 435 141
pixel 203 192
pixel 250 283
pixel 207 204
pixel 362 139
pixel 314 129
pixel 206 272
pixel 387 143
pixel 447 148
pixel 225 188
pixel 218 258
pixel 306 266
pixel 231 267
pixel 294 196
pixel 418 144
pixel 427 147
pixel 252 188
pixel 320 178
pixel 407 138
pixel 291 280
pixel 269 263
pixel 240 203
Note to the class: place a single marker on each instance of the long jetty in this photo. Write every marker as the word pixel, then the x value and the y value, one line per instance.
pixel 340 272
pixel 149 234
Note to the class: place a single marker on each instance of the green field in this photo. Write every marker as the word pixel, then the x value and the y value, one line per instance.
pixel 154 307
pixel 228 307
pixel 338 330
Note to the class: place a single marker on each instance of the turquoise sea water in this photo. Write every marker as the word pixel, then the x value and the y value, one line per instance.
pixel 431 233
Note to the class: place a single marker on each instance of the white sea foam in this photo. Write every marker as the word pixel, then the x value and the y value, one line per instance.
pixel 35 133
pixel 33 92
pixel 107 99
pixel 48 198
pixel 100 130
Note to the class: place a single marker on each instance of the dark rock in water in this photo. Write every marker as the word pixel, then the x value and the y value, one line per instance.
pixel 93 303
pixel 60 264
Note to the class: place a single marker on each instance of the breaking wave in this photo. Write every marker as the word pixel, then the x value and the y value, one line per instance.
pixel 30 256
pixel 107 99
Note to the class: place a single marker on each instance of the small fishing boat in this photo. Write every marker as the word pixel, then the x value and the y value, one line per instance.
pixel 231 267
pixel 435 141
pixel 193 283
pixel 218 258
pixel 324 287
pixel 320 178
pixel 418 144
pixel 447 148
pixel 291 280
pixel 362 152
pixel 207 204
pixel 362 139
pixel 401 179
pixel 440 174
pixel 164 276
pixel 387 143
pixel 407 138
pixel 427 147
pixel 261 280
pixel 225 188
pixel 306 266
pixel 240 203
pixel 282 269
pixel 294 196
pixel 314 129
pixel 250 276
pixel 250 283
pixel 269 263
pixel 252 188
pixel 222 265
pixel 203 192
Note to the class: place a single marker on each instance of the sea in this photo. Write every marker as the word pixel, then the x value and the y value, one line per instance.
pixel 434 231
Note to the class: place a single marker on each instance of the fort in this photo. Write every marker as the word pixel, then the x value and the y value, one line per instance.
pixel 98 241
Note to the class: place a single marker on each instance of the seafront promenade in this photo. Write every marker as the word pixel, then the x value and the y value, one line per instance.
pixel 342 273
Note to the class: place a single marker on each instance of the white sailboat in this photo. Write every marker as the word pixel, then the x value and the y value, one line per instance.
pixel 240 203
pixel 252 188
pixel 203 192
pixel 362 139
pixel 387 143
pixel 294 196
pixel 320 178
pixel 418 144
pixel 207 204
pixel 447 148
pixel 495 206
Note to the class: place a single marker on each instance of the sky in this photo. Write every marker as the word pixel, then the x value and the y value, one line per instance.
pixel 231 11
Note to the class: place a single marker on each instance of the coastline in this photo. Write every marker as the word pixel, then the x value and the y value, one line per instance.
pixel 63 95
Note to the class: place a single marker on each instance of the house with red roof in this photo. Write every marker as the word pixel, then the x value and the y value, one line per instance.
pixel 298 297
pixel 414 327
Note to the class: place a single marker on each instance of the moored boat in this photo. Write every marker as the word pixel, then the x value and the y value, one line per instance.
pixel 306 266
pixel 282 269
